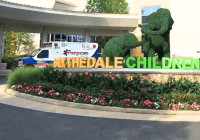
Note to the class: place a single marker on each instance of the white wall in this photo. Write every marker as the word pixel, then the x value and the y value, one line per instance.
pixel 185 32
pixel 38 3
pixel 79 3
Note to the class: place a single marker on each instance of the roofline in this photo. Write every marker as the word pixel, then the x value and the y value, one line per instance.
pixel 66 2
pixel 64 12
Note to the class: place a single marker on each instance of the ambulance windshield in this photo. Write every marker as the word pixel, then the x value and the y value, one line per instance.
pixel 34 53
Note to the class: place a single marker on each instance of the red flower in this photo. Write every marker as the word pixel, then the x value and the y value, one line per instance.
pixel 86 73
pixel 141 101
pixel 145 77
pixel 110 72
pixel 164 97
pixel 132 91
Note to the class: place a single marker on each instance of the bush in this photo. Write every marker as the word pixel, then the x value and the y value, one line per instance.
pixel 9 59
pixel 29 75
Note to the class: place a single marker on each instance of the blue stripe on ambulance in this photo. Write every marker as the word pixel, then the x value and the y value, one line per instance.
pixel 31 61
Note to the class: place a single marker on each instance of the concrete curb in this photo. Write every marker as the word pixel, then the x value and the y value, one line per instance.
pixel 98 107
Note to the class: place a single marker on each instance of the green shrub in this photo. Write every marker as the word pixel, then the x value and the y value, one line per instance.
pixel 29 75
pixel 9 59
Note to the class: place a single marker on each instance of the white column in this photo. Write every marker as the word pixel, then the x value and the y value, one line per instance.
pixel 44 35
pixel 86 35
pixel 1 41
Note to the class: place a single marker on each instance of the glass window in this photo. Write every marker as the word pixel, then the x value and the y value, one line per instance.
pixel 144 19
pixel 43 54
pixel 146 10
pixel 74 38
pixel 34 53
pixel 69 38
pixel 64 38
pixel 57 37
pixel 80 38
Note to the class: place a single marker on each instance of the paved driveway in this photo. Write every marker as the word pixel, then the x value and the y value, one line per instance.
pixel 24 124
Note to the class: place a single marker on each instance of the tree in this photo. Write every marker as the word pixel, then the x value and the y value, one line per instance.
pixel 107 6
pixel 15 40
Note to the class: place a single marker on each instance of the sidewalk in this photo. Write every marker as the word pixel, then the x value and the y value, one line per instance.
pixel 5 72
pixel 9 99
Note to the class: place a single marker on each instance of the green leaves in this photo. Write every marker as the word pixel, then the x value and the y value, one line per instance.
pixel 107 6
pixel 21 38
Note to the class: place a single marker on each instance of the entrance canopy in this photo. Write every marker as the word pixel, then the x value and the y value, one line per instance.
pixel 23 18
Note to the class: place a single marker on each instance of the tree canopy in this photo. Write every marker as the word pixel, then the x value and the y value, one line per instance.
pixel 107 6
pixel 15 40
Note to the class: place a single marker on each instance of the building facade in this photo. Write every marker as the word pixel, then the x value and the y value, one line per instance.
pixel 65 20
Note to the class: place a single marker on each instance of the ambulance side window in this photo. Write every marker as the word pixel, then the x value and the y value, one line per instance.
pixel 43 54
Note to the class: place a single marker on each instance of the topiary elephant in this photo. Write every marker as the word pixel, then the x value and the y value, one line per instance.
pixel 159 26
pixel 120 46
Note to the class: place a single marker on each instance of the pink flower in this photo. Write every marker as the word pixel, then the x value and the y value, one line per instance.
pixel 70 74
pixel 170 82
pixel 186 109
pixel 112 78
pixel 145 77
pixel 102 103
pixel 164 97
pixel 110 72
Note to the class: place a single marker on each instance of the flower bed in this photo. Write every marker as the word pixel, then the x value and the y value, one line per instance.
pixel 107 90
pixel 118 98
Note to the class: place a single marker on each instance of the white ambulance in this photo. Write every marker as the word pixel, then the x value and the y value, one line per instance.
pixel 45 55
